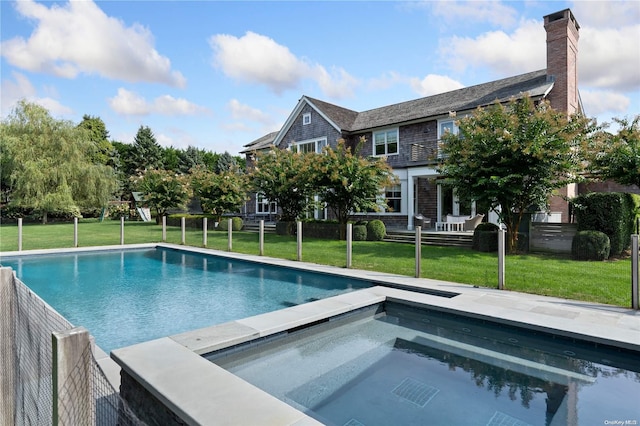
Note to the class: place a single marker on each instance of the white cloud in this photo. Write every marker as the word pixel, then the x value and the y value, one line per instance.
pixel 433 84
pixel 256 58
pixel 338 84
pixel 241 111
pixel 21 88
pixel 79 38
pixel 599 102
pixel 493 12
pixel 386 80
pixel 612 14
pixel 505 54
pixel 610 58
pixel 130 103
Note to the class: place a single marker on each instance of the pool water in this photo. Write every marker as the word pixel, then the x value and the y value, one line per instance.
pixel 130 296
pixel 408 366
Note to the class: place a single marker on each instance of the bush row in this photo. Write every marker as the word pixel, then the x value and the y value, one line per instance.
pixel 606 221
pixel 373 230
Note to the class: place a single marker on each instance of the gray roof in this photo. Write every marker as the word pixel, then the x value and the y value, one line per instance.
pixel 535 84
pixel 263 142
pixel 342 117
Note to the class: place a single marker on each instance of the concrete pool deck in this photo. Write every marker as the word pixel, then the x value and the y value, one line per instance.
pixel 200 392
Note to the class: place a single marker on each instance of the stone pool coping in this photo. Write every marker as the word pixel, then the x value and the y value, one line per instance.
pixel 172 369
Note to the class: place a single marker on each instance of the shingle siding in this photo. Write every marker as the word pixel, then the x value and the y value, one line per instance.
pixel 318 128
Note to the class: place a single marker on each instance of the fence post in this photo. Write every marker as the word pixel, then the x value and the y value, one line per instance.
pixel 73 401
pixel 299 239
pixel 204 231
pixel 261 237
pixel 418 250
pixel 19 234
pixel 121 230
pixel 75 232
pixel 7 356
pixel 183 226
pixel 501 253
pixel 634 272
pixel 349 243
pixel 229 234
pixel 164 229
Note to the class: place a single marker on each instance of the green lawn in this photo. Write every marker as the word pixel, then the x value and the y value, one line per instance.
pixel 604 282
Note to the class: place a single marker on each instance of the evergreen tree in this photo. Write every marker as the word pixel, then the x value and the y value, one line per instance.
pixel 99 136
pixel 145 153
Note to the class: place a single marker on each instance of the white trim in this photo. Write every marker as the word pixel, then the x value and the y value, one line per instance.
pixel 306 118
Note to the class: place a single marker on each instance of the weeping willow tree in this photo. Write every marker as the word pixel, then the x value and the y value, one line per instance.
pixel 50 167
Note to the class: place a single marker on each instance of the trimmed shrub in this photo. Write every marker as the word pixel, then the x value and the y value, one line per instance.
pixel 486 236
pixel 590 245
pixel 321 229
pixel 359 232
pixel 236 224
pixel 376 230
pixel 191 221
pixel 612 213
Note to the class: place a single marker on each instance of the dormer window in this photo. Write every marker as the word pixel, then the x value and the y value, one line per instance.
pixel 306 118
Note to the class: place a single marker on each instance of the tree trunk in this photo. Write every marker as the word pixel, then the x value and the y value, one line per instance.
pixel 44 217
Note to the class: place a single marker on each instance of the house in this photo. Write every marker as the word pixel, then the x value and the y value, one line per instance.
pixel 408 134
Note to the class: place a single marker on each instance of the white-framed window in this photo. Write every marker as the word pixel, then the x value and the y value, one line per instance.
pixel 445 127
pixel 393 195
pixel 264 206
pixel 385 142
pixel 312 145
pixel 306 118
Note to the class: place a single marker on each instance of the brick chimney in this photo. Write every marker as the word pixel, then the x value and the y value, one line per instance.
pixel 562 60
pixel 562 68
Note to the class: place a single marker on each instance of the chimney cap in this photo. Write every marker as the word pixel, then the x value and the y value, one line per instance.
pixel 562 14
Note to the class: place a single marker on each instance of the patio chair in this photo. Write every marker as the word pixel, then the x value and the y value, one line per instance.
pixel 471 224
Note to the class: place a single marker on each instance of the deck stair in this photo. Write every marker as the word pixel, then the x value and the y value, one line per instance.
pixel 447 239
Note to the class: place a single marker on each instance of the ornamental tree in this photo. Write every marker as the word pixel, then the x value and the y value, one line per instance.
pixel 49 165
pixel 163 190
pixel 286 178
pixel 617 157
pixel 222 192
pixel 513 156
pixel 349 183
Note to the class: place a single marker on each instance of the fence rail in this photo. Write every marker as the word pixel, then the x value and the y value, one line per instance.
pixel 551 237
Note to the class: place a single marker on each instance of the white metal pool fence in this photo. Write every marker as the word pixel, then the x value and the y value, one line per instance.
pixel 621 275
pixel 48 372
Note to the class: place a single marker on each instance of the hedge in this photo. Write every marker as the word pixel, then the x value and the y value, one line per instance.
pixel 613 213
pixel 376 230
pixel 590 245
pixel 359 232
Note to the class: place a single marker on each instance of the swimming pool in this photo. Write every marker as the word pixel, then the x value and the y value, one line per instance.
pixel 397 364
pixel 129 296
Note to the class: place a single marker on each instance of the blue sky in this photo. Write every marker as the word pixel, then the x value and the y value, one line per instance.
pixel 220 74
